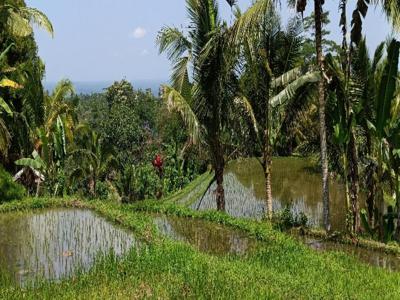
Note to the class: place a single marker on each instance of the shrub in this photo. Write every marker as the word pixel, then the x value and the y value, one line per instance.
pixel 286 219
pixel 9 190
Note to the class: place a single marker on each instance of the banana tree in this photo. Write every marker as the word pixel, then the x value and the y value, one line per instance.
pixel 345 90
pixel 380 126
pixel 393 154
pixel 36 166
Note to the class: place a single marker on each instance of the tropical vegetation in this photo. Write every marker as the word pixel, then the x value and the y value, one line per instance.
pixel 253 87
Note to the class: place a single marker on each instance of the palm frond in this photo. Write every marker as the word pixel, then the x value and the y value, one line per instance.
pixel 173 42
pixel 18 25
pixel 245 104
pixel 250 20
pixel 63 89
pixel 378 56
pixel 175 102
pixel 357 20
pixel 19 20
pixel 180 77
pixel 38 18
pixel 3 55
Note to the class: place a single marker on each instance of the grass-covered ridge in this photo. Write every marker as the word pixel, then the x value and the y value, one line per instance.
pixel 282 268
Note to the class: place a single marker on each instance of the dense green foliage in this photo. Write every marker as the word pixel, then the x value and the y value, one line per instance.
pixel 9 190
pixel 131 127
pixel 254 88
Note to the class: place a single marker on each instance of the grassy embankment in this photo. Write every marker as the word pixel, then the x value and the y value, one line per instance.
pixel 281 268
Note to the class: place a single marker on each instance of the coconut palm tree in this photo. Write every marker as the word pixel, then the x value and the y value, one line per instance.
pixel 270 81
pixel 245 26
pixel 318 21
pixel 391 8
pixel 58 105
pixel 202 80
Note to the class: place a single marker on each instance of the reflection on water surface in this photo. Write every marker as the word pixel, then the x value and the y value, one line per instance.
pixel 295 183
pixel 205 236
pixel 370 257
pixel 55 243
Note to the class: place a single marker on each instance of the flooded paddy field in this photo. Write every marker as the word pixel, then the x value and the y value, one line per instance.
pixel 56 243
pixel 295 184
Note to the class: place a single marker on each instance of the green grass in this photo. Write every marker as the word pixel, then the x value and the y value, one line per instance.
pixel 281 269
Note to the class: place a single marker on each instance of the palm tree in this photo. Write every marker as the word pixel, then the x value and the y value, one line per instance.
pixel 391 8
pixel 18 19
pixel 247 23
pixel 365 73
pixel 270 82
pixel 318 20
pixel 201 81
pixel 93 161
pixel 57 106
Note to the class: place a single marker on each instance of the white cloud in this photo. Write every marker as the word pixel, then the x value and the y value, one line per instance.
pixel 139 33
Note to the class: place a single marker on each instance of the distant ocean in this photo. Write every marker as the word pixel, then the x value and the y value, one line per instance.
pixel 82 87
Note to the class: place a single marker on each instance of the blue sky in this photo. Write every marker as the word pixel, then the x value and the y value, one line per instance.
pixel 103 40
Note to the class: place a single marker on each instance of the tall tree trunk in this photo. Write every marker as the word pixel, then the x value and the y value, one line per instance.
pixel 352 146
pixel 220 196
pixel 346 184
pixel 322 125
pixel 92 186
pixel 267 161
pixel 397 233
pixel 370 183
pixel 379 194
pixel 355 178
pixel 219 166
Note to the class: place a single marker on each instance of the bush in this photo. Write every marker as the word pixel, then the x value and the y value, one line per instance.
pixel 286 219
pixel 9 190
